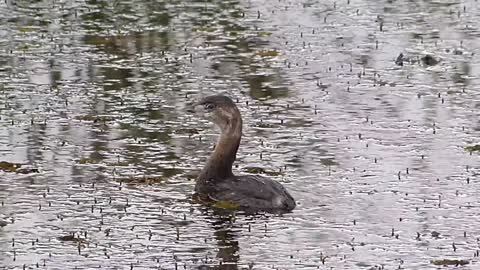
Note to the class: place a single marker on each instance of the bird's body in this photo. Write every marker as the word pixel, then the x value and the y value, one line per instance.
pixel 248 191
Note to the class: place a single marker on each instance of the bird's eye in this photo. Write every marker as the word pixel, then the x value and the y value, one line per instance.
pixel 209 106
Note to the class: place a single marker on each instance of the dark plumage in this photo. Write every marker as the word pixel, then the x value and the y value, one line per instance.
pixel 217 183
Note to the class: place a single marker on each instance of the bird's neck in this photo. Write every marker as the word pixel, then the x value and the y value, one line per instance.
pixel 219 164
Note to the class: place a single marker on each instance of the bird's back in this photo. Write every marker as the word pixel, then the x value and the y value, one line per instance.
pixel 248 191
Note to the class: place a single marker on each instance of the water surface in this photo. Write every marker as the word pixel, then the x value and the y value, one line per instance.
pixel 93 99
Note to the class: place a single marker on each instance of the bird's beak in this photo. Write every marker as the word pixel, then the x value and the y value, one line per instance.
pixel 193 108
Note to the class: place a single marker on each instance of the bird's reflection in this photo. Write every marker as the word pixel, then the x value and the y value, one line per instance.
pixel 226 230
pixel 228 248
pixel 227 242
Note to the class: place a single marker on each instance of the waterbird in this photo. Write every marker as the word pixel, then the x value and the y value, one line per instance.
pixel 216 182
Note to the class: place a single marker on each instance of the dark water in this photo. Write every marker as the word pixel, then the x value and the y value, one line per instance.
pixel 92 102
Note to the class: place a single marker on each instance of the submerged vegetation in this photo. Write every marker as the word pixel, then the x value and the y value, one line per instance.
pixel 16 168
pixel 450 262
pixel 473 148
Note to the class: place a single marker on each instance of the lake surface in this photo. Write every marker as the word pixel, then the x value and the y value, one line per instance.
pixel 376 148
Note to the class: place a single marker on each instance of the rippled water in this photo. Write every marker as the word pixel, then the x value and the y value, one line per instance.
pixel 93 99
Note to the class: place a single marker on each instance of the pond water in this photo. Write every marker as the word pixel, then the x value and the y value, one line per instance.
pixel 377 148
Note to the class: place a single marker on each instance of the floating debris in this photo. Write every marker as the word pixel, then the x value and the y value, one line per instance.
pixel 146 180
pixel 473 148
pixel 399 60
pixel 16 168
pixel 9 167
pixel 207 201
pixel 226 205
pixel 457 51
pixel 449 262
pixel 429 60
pixel 189 131
pixel 268 53
pixel 264 34
pixel 72 238
pixel 435 234
pixel 3 223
